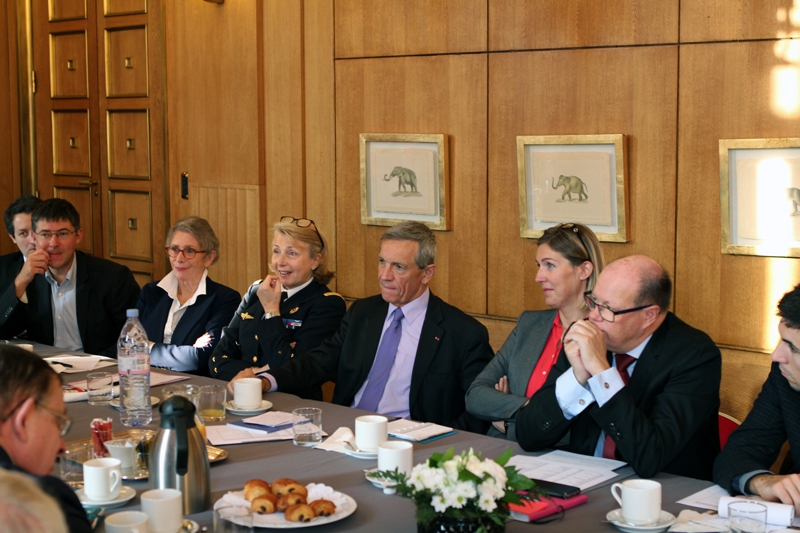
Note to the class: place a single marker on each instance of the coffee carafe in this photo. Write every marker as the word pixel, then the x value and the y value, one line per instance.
pixel 178 456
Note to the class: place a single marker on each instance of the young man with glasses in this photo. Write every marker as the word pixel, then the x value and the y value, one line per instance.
pixel 33 423
pixel 78 302
pixel 633 381
pixel 743 466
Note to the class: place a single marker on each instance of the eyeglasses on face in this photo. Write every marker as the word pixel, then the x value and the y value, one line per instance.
pixel 187 252
pixel 606 313
pixel 62 235
pixel 64 421
pixel 304 223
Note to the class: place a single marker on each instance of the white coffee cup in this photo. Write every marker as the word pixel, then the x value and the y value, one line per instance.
pixel 371 430
pixel 640 500
pixel 394 454
pixel 164 510
pixel 247 393
pixel 126 522
pixel 102 479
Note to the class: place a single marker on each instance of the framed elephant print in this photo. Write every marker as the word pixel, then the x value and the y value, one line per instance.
pixel 404 177
pixel 760 196
pixel 573 178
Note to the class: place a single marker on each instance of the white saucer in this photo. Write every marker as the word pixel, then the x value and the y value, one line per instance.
pixel 615 517
pixel 125 495
pixel 265 406
pixel 154 400
pixel 380 483
pixel 362 454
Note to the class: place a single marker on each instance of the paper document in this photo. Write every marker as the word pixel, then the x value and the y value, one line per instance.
pixel 583 477
pixel 271 419
pixel 416 431
pixel 72 364
pixel 226 435
pixel 706 498
pixel 577 459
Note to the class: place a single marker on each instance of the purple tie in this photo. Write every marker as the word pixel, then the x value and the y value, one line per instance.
pixel 384 360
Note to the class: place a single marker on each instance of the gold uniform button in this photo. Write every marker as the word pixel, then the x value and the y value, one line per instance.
pixel 280 352
pixel 256 337
pixel 214 359
pixel 215 370
pixel 224 356
pixel 255 358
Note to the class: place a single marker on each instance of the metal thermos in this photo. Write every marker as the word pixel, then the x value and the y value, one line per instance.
pixel 178 456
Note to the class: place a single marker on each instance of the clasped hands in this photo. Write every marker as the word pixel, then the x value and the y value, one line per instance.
pixel 249 373
pixel 784 489
pixel 585 346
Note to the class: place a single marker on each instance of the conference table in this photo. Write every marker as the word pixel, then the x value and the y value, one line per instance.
pixel 376 511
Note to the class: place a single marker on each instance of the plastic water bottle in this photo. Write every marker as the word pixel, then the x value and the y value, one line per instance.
pixel 133 359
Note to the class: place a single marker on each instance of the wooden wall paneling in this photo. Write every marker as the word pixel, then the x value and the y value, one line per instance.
pixel 727 92
pixel 728 20
pixel 84 202
pixel 9 136
pixel 439 94
pixel 320 122
pixel 230 209
pixel 622 90
pixel 499 328
pixel 212 87
pixel 537 24
pixel 364 28
pixel 283 109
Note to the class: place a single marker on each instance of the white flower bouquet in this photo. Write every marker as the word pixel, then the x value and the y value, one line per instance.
pixel 463 487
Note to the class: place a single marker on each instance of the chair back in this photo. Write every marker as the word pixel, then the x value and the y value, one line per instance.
pixel 727 424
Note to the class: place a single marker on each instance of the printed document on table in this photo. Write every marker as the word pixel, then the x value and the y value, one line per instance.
pixel 225 435
pixel 577 459
pixel 706 498
pixel 583 477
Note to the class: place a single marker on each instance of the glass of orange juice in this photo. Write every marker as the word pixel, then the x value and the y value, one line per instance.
pixel 211 404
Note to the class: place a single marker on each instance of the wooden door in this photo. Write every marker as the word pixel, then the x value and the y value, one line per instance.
pixel 99 123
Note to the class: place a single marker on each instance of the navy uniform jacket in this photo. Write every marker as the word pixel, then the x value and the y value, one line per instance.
pixel 756 444
pixel 74 514
pixel 307 318
pixel 104 291
pixel 664 420
pixel 10 265
pixel 209 313
pixel 453 349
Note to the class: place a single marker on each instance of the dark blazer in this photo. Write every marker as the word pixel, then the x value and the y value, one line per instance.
pixel 453 349
pixel 74 514
pixel 665 419
pixel 516 359
pixel 10 265
pixel 756 444
pixel 105 290
pixel 312 315
pixel 209 313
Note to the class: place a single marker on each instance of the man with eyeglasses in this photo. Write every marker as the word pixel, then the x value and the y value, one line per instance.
pixel 633 381
pixel 15 269
pixel 743 465
pixel 33 424
pixel 78 301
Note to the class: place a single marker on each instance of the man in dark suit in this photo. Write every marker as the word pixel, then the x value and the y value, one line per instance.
pixel 437 351
pixel 32 427
pixel 76 301
pixel 14 268
pixel 656 407
pixel 743 465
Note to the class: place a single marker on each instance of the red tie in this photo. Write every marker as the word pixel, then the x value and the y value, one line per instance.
pixel 623 362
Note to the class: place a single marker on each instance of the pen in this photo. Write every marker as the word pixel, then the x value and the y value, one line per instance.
pixel 62 364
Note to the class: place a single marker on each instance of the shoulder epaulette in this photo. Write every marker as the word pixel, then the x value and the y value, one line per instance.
pixel 334 294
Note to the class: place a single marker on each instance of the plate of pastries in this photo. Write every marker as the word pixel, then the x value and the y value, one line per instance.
pixel 287 504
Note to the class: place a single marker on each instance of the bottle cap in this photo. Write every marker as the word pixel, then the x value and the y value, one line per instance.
pixel 132 313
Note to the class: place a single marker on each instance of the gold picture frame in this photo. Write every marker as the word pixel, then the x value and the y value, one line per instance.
pixel 592 169
pixel 404 177
pixel 760 196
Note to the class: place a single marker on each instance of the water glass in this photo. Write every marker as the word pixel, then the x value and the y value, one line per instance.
pixel 100 386
pixel 71 462
pixel 187 390
pixel 211 404
pixel 307 426
pixel 233 519
pixel 747 517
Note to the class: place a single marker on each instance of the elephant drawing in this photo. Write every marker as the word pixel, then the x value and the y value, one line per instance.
pixel 572 184
pixel 793 194
pixel 405 177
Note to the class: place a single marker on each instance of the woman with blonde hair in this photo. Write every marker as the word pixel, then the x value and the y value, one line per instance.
pixel 184 313
pixel 289 312
pixel 570 260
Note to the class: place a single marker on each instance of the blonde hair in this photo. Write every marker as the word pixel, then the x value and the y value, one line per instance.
pixel 577 244
pixel 317 246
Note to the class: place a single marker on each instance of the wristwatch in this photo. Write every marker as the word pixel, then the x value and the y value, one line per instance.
pixel 269 315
